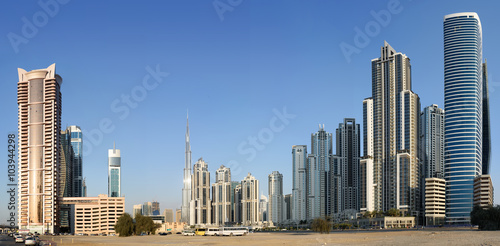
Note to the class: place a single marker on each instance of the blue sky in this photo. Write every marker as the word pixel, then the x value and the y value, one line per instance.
pixel 232 68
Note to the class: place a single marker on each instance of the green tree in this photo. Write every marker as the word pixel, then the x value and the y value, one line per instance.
pixel 486 218
pixel 393 212
pixel 321 225
pixel 125 225
pixel 144 224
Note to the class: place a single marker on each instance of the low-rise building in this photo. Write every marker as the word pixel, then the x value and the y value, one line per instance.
pixel 483 191
pixel 173 227
pixel 386 222
pixel 94 214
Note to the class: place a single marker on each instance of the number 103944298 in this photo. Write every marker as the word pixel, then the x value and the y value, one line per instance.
pixel 11 154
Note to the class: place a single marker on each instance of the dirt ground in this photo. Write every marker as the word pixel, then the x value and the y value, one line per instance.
pixel 374 237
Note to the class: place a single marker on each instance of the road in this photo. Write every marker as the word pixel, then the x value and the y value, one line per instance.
pixel 6 240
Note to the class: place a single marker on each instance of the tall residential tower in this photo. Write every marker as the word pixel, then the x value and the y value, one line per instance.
pixel 39 126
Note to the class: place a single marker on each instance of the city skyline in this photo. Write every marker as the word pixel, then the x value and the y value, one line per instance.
pixel 217 140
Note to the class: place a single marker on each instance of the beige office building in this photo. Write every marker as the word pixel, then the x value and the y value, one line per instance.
pixel 39 126
pixel 483 191
pixel 178 215
pixel 221 196
pixel 169 215
pixel 94 215
pixel 435 201
pixel 200 204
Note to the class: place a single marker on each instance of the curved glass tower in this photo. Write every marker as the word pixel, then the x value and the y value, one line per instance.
pixel 463 112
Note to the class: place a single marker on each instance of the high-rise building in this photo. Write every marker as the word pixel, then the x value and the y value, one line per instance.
pixel 299 182
pixel 66 167
pixel 348 148
pixel 114 172
pixel 396 111
pixel 84 188
pixel 463 107
pixel 367 187
pixel 186 189
pixel 318 165
pixel 235 201
pixel 486 122
pixel 169 215
pixel 221 196
pixel 432 142
pixel 178 214
pixel 263 209
pixel 147 209
pixel 237 209
pixel 287 215
pixel 39 126
pixel 200 205
pixel 76 141
pixel 249 200
pixel 276 199
pixel 137 209
pixel 155 208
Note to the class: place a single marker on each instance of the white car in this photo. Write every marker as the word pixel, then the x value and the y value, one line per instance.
pixel 19 239
pixel 188 233
pixel 30 241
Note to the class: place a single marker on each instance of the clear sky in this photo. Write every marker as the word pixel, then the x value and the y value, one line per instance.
pixel 231 66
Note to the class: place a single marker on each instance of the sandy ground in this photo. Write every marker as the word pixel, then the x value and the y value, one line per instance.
pixel 378 237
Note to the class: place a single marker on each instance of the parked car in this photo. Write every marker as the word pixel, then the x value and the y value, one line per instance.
pixel 188 233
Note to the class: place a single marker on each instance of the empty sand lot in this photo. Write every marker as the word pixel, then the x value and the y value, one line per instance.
pixel 378 237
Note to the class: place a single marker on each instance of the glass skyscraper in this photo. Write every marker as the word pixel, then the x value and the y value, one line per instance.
pixel 463 105
pixel 77 170
pixel 114 172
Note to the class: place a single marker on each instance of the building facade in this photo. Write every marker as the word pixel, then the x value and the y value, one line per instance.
pixel 155 208
pixel 276 198
pixel 463 105
pixel 114 172
pixel 186 189
pixel 249 200
pixel 483 191
pixel 299 182
pixel 137 209
pixel 318 165
pixel 348 148
pixel 367 187
pixel 76 140
pixel 432 141
pixel 169 215
pixel 39 128
pixel 221 196
pixel 94 215
pixel 435 201
pixel 396 110
pixel 200 205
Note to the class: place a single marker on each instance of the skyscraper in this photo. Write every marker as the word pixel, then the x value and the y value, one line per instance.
pixel 396 111
pixel 299 180
pixel 76 141
pixel 249 200
pixel 318 166
pixel 155 208
pixel 200 205
pixel 66 167
pixel 276 198
pixel 463 107
pixel 348 143
pixel 186 189
pixel 432 142
pixel 137 209
pixel 169 215
pixel 367 187
pixel 221 196
pixel 486 122
pixel 39 126
pixel 114 172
